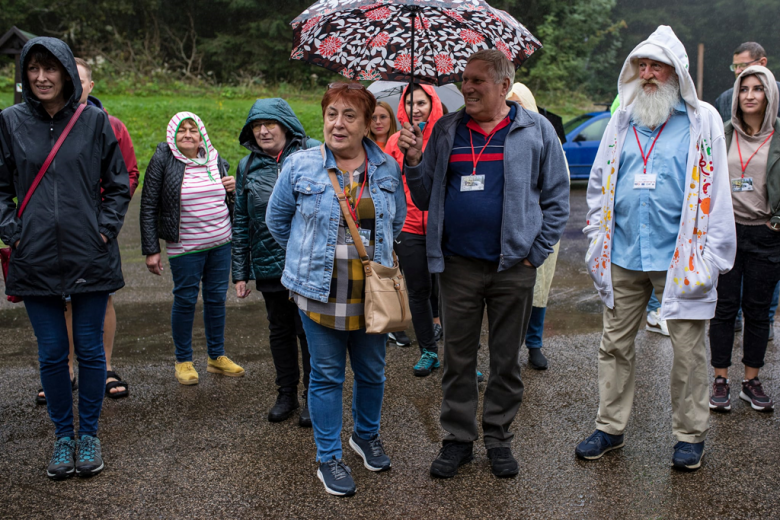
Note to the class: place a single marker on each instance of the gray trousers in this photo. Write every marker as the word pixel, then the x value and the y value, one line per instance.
pixel 466 286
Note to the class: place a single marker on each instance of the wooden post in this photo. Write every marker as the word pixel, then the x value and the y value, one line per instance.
pixel 700 73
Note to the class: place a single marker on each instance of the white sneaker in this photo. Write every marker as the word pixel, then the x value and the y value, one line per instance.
pixel 655 324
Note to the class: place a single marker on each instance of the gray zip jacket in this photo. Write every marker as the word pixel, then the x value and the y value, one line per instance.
pixel 536 188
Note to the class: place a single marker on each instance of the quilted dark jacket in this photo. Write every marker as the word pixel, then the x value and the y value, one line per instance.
pixel 256 255
pixel 161 198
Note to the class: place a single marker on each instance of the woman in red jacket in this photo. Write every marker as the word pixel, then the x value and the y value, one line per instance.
pixel 410 245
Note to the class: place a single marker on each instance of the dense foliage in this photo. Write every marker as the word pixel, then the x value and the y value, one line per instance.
pixel 248 42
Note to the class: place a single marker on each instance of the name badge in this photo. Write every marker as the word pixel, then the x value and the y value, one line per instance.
pixel 738 185
pixel 472 183
pixel 644 181
pixel 365 237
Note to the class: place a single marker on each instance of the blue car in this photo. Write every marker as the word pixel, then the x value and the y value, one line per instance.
pixel 583 136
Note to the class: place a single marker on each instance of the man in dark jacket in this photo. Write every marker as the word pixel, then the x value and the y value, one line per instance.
pixel 271 133
pixel 495 182
pixel 64 243
pixel 747 54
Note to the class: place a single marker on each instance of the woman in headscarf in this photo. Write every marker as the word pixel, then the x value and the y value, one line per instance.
pixel 754 171
pixel 410 246
pixel 185 201
pixel 545 272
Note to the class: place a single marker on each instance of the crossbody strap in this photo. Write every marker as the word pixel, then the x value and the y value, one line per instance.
pixel 50 158
pixel 347 217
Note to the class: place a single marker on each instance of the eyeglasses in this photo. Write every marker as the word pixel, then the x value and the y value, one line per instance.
pixel 350 86
pixel 743 66
pixel 268 124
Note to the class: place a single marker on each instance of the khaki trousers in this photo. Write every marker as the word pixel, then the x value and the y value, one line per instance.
pixel 617 367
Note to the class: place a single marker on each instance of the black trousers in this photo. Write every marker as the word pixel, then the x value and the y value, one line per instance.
pixel 750 283
pixel 410 249
pixel 467 287
pixel 286 330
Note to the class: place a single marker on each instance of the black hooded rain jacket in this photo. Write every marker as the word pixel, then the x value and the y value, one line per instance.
pixel 60 249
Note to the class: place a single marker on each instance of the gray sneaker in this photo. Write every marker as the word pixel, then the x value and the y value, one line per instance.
pixel 372 452
pixel 336 477
pixel 90 459
pixel 62 465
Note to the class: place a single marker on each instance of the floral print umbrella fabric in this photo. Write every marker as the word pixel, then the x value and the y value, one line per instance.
pixel 373 39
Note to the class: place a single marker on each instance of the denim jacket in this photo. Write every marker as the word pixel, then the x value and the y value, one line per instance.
pixel 303 216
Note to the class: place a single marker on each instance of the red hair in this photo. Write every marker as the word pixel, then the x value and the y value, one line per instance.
pixel 360 98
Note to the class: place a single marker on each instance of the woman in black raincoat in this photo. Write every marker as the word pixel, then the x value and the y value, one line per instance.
pixel 64 244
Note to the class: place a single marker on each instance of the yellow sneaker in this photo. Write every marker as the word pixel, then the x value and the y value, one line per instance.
pixel 223 365
pixel 186 374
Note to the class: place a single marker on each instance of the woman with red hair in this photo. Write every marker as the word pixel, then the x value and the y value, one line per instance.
pixel 325 276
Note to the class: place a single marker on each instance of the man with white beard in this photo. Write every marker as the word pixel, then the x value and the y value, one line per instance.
pixel 660 220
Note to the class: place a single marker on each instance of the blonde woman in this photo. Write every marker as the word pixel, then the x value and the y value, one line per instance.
pixel 382 124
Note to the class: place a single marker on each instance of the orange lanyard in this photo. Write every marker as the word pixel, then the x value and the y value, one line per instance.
pixel 646 158
pixel 744 165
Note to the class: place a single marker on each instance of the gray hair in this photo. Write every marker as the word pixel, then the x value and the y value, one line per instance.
pixel 501 66
pixel 756 50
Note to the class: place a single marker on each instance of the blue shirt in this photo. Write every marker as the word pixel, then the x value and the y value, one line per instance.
pixel 647 221
pixel 472 219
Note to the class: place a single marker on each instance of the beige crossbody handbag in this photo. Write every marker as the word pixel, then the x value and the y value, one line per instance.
pixel 387 302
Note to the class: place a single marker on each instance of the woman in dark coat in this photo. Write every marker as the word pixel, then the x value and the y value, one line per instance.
pixel 65 242
pixel 272 132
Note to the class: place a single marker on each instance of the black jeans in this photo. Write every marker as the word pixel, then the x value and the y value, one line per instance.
pixel 467 287
pixel 755 273
pixel 410 249
pixel 286 329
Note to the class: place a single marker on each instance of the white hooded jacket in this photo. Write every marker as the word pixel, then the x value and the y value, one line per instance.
pixel 706 242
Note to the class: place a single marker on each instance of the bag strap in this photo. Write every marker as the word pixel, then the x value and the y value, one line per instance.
pixel 347 217
pixel 50 158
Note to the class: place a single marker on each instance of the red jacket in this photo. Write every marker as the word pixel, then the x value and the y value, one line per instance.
pixel 126 147
pixel 125 143
pixel 416 220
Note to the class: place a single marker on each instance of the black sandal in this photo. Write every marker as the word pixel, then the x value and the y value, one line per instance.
pixel 41 399
pixel 114 384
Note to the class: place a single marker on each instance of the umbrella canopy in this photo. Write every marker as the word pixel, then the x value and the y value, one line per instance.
pixel 390 92
pixel 376 40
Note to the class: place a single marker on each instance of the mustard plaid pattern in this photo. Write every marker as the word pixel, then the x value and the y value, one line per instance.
pixel 345 309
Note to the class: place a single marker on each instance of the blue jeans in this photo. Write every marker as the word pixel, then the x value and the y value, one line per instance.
pixel 47 316
pixel 328 350
pixel 653 304
pixel 212 268
pixel 533 338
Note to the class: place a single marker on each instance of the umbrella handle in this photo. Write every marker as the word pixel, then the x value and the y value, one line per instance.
pixel 409 112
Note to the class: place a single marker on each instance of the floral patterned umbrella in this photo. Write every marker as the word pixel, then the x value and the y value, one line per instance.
pixel 379 39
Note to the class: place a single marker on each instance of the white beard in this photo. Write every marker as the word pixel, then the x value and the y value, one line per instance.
pixel 653 109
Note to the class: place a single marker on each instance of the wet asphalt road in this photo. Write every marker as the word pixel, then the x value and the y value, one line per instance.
pixel 208 451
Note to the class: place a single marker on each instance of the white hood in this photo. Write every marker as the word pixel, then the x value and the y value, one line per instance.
pixel 706 241
pixel 662 40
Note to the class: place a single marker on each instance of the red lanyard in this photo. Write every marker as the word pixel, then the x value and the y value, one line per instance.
pixel 646 158
pixel 744 165
pixel 353 212
pixel 278 168
pixel 475 161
